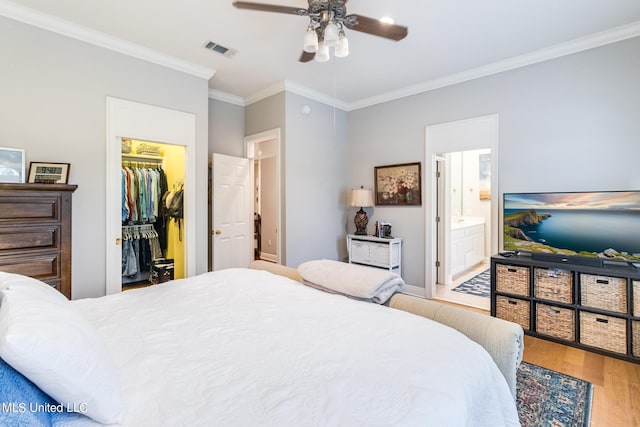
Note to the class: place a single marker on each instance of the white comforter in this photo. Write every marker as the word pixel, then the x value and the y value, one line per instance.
pixel 248 348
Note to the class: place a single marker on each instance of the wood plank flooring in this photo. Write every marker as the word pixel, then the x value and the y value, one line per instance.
pixel 616 383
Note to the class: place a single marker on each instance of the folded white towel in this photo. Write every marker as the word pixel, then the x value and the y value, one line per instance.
pixel 368 283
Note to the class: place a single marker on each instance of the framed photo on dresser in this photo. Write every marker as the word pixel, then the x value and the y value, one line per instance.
pixel 11 165
pixel 49 173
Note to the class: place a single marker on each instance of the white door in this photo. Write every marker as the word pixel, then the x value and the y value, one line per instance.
pixel 232 231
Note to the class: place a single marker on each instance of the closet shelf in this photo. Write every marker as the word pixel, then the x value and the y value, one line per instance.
pixel 142 157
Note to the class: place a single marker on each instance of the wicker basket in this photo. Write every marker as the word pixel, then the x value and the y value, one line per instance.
pixel 605 332
pixel 512 279
pixel 513 310
pixel 555 321
pixel 635 327
pixel 636 298
pixel 604 292
pixel 553 284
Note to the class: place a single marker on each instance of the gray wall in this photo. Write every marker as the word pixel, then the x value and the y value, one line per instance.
pixel 226 128
pixel 314 172
pixel 52 104
pixel 566 124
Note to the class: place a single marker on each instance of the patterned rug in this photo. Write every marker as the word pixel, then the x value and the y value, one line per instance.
pixel 550 398
pixel 478 285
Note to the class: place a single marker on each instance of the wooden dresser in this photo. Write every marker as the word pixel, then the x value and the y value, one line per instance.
pixel 35 232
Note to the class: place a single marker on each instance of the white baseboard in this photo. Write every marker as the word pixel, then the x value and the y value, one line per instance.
pixel 415 291
pixel 269 257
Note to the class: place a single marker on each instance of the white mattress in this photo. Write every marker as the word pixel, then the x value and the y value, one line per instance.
pixel 247 348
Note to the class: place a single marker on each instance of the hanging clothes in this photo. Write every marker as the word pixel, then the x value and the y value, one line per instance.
pixel 140 248
pixel 161 221
pixel 141 190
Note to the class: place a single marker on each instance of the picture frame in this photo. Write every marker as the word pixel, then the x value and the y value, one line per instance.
pixel 12 165
pixel 398 185
pixel 49 173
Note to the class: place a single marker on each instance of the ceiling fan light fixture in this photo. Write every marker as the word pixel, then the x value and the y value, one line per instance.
pixel 322 55
pixel 387 20
pixel 342 46
pixel 331 34
pixel 310 40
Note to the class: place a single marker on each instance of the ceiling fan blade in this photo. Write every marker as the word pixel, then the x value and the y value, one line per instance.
pixel 376 28
pixel 270 8
pixel 306 56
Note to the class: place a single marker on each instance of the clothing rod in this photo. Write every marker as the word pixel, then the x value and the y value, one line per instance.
pixel 139 226
pixel 141 158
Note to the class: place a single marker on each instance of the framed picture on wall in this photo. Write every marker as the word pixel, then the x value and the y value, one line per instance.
pixel 49 173
pixel 11 165
pixel 398 185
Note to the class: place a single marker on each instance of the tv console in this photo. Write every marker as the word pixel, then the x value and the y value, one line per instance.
pixel 589 306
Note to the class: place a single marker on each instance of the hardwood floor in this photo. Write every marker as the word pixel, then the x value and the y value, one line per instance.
pixel 616 383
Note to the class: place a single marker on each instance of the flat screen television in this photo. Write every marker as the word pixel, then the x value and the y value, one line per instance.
pixel 603 224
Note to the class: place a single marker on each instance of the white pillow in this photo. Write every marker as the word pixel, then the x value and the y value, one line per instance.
pixel 35 286
pixel 50 343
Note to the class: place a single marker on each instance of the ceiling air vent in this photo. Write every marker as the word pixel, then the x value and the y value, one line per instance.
pixel 215 47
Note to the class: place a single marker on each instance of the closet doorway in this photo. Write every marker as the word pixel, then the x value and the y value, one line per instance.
pixel 263 149
pixel 132 120
pixel 449 146
pixel 152 223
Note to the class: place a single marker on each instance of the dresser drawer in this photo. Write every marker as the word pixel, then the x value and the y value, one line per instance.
pixel 44 266
pixel 29 209
pixel 20 239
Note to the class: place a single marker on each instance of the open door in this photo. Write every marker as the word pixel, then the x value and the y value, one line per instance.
pixel 232 231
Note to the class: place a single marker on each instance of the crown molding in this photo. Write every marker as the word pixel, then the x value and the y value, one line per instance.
pixel 562 49
pixel 298 89
pixel 316 96
pixel 265 93
pixel 552 52
pixel 57 25
pixel 226 97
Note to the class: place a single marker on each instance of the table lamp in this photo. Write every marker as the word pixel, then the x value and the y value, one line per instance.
pixel 362 197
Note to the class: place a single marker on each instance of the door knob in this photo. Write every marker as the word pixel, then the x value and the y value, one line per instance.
pixel 218 232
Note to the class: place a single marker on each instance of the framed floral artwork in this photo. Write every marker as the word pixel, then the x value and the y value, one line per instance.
pixel 398 185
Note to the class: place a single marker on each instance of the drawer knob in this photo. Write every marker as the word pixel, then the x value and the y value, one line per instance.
pixel 602 281
pixel 602 320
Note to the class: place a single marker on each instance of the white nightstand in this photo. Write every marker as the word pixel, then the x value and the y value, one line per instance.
pixel 375 252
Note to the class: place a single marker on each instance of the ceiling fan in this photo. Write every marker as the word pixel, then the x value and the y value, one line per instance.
pixel 327 21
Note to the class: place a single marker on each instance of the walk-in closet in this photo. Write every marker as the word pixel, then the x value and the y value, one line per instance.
pixel 152 212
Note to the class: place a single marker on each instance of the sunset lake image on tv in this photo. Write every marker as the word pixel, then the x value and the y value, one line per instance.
pixel 591 224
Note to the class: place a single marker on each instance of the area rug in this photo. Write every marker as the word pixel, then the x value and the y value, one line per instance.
pixel 550 398
pixel 478 285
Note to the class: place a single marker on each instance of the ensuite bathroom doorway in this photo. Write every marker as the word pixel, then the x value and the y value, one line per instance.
pixel 461 213
pixel 463 249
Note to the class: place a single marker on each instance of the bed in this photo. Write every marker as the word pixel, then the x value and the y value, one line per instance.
pixel 240 347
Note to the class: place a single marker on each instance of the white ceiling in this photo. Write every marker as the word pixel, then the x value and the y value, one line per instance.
pixel 446 38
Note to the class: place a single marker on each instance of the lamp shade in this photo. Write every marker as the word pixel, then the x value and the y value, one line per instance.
pixel 322 55
pixel 331 34
pixel 342 47
pixel 362 197
pixel 310 40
